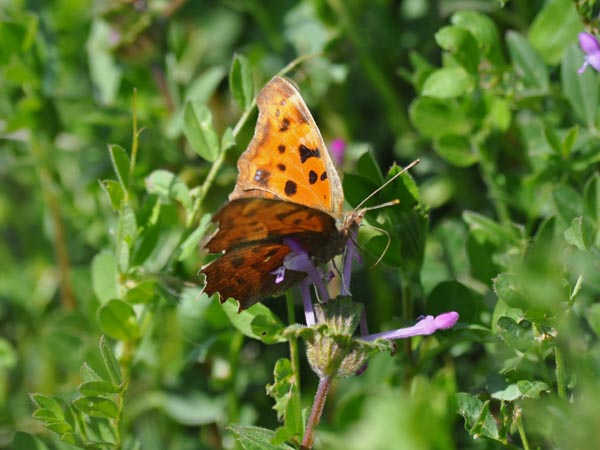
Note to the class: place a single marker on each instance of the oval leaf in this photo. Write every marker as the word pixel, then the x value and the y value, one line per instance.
pixel 199 130
pixel 117 319
pixel 241 82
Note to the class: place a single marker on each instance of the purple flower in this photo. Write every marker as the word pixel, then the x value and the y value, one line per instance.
pixel 591 47
pixel 338 149
pixel 426 326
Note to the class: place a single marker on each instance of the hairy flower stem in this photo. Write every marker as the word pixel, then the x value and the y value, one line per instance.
pixel 316 412
pixel 560 373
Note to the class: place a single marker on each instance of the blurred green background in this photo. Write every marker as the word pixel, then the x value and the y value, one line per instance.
pixel 486 93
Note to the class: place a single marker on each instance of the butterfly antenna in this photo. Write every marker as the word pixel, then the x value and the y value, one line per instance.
pixel 387 245
pixel 393 202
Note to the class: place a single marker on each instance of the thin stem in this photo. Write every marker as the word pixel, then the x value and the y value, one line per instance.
pixel 488 170
pixel 407 312
pixel 59 241
pixel 521 428
pixel 134 144
pixel 293 340
pixel 395 111
pixel 316 412
pixel 125 364
pixel 560 373
pixel 234 357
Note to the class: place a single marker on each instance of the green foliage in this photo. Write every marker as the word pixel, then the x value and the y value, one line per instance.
pixel 120 135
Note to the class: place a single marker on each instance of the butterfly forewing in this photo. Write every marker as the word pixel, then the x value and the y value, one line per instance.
pixel 287 158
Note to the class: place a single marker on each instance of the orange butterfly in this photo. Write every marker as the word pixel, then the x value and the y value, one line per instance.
pixel 287 187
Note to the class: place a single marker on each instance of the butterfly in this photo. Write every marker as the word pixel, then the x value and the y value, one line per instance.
pixel 287 187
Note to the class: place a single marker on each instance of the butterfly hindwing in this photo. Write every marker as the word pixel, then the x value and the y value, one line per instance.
pixel 245 273
pixel 251 236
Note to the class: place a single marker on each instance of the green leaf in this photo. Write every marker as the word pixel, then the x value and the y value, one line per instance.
pixel 555 27
pixel 114 191
pixel 569 141
pixel 89 374
pixel 117 319
pixel 509 289
pixel 169 187
pixel 143 293
pixel 568 203
pixel 491 230
pixel 532 389
pixel 436 117
pixel 202 88
pixel 448 82
pixel 241 82
pixel 591 195
pixel 110 362
pixel 366 166
pixel 478 419
pixel 528 63
pixel 104 71
pixel 453 296
pixel 499 113
pixel 581 90
pixel 257 322
pixel 194 409
pixel 461 44
pixel 97 407
pixel 192 242
pixel 455 150
pixel 518 336
pixel 46 403
pixel 126 234
pixel 553 139
pixel 96 388
pixel 256 438
pixel 227 140
pixel 120 163
pixel 484 31
pixel 287 402
pixel 593 318
pixel 580 234
pixel 105 276
pixel 25 441
pixel 199 130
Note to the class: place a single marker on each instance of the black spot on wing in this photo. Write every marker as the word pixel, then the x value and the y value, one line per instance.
pixel 312 177
pixel 285 124
pixel 290 188
pixel 306 153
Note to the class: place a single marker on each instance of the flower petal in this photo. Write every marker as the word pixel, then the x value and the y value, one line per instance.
pixel 428 325
pixel 589 43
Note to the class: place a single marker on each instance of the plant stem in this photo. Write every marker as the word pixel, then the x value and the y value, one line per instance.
pixel 134 144
pixel 488 170
pixel 59 240
pixel 395 111
pixel 521 428
pixel 293 340
pixel 560 373
pixel 234 358
pixel 316 412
